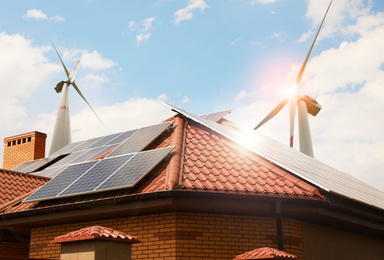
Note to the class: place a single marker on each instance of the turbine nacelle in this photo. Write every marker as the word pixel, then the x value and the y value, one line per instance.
pixel 313 108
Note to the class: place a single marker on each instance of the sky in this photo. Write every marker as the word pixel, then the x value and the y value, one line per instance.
pixel 203 56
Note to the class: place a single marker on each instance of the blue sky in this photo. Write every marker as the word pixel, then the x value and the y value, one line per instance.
pixel 203 56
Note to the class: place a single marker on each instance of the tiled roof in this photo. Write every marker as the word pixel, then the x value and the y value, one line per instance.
pixel 95 232
pixel 207 162
pixel 213 163
pixel 14 184
pixel 265 253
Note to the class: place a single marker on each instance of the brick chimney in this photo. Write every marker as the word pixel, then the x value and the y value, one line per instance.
pixel 22 148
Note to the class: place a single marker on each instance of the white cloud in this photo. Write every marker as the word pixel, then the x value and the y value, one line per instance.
pixel 39 15
pixel 187 12
pixel 281 36
pixel 305 36
pixel 143 28
pixel 91 60
pixel 94 60
pixel 142 37
pixel 97 78
pixel 241 95
pixel 147 23
pixel 235 41
pixel 185 100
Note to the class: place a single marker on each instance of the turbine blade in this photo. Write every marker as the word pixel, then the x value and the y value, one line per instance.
pixel 82 96
pixel 301 72
pixel 272 113
pixel 292 102
pixel 71 76
pixel 66 71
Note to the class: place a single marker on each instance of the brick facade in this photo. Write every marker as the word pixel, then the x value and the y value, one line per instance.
pixel 187 236
pixel 22 148
pixel 13 249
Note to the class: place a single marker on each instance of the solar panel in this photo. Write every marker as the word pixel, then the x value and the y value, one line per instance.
pixel 52 188
pixel 50 172
pixel 23 166
pixel 122 137
pixel 103 141
pixel 37 164
pixel 135 169
pixel 68 159
pixel 217 115
pixel 140 139
pixel 66 149
pixel 87 155
pixel 106 174
pixel 95 176
pixel 86 144
pixel 308 168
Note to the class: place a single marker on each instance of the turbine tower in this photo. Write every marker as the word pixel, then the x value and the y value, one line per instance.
pixel 304 104
pixel 62 131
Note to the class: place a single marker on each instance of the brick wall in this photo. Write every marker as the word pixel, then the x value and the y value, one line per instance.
pixel 22 148
pixel 184 235
pixel 13 249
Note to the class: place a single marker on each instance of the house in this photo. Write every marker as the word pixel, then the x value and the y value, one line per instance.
pixel 191 187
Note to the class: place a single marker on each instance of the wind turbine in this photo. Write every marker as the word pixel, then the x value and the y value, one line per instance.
pixel 305 104
pixel 62 131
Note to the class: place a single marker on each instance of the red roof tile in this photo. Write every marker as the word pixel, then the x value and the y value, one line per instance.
pixel 14 184
pixel 265 253
pixel 95 232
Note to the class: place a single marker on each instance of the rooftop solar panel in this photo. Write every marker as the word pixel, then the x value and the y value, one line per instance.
pixel 140 139
pixel 86 144
pixel 87 155
pixel 38 163
pixel 66 149
pixel 68 159
pixel 52 188
pixel 122 137
pixel 216 116
pixel 50 172
pixel 107 174
pixel 23 166
pixel 135 169
pixel 308 168
pixel 95 176
pixel 103 141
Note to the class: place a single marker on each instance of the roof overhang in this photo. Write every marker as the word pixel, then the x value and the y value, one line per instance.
pixel 308 210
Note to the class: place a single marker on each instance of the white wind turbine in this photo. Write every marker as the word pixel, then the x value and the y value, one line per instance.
pixel 62 131
pixel 304 104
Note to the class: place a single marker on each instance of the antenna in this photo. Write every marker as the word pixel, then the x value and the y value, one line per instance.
pixel 62 131
pixel 304 104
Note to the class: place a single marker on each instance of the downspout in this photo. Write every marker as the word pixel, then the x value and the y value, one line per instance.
pixel 279 225
pixel 175 165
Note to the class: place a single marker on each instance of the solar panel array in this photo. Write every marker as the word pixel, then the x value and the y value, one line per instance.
pixel 308 168
pixel 123 171
pixel 129 141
